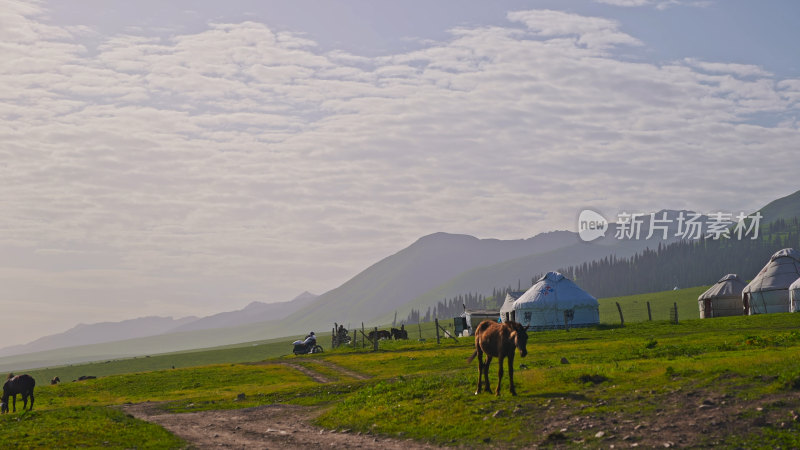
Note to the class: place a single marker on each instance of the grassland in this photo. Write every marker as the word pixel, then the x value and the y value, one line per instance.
pixel 725 382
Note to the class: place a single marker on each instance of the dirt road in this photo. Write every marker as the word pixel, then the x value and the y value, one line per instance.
pixel 269 426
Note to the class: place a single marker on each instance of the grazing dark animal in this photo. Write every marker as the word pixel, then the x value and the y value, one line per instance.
pixel 382 334
pixel 21 384
pixel 399 333
pixel 498 340
pixel 85 377
pixel 55 380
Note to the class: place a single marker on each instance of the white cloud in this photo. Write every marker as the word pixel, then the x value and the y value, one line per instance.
pixel 625 2
pixel 593 32
pixel 240 164
pixel 658 4
pixel 740 70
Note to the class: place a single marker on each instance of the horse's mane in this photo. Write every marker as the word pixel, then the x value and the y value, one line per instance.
pixel 10 376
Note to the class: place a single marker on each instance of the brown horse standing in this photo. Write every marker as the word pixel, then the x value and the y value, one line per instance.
pixel 498 340
pixel 21 384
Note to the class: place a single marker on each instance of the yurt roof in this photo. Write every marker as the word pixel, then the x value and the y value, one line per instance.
pixel 728 286
pixel 554 289
pixel 782 270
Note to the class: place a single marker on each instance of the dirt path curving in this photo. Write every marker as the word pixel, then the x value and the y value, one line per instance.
pixel 270 426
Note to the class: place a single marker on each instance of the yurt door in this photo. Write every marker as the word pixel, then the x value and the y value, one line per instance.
pixel 709 312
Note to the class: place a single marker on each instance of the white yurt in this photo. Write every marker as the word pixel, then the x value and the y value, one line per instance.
pixel 769 290
pixel 794 295
pixel 723 298
pixel 544 305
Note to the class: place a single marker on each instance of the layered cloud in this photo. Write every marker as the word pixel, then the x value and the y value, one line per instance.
pixel 658 4
pixel 151 174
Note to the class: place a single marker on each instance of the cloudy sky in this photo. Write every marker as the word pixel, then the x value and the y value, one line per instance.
pixel 189 157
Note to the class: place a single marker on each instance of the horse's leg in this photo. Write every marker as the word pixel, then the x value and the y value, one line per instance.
pixel 24 401
pixel 486 373
pixel 499 373
pixel 14 402
pixel 480 369
pixel 511 374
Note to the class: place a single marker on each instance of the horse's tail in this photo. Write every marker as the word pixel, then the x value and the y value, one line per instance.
pixel 474 354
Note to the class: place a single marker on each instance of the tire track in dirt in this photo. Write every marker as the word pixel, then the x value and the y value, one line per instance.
pixel 342 370
pixel 314 375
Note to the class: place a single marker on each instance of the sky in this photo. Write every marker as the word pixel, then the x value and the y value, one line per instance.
pixel 189 157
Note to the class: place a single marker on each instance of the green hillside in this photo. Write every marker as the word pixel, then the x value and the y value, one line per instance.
pixel 786 208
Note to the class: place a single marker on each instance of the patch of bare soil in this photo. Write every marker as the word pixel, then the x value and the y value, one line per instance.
pixel 270 426
pixel 681 419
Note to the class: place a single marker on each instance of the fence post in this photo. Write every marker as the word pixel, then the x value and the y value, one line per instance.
pixel 621 319
pixel 566 322
pixel 649 314
pixel 419 327
pixel 333 336
pixel 363 336
pixel 675 305
pixel 437 331
pixel 375 341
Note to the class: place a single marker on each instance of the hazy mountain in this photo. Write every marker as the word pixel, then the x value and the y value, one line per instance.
pixel 97 333
pixel 252 313
pixel 86 334
pixel 394 281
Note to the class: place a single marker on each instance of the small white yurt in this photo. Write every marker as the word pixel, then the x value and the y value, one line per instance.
pixel 769 290
pixel 549 302
pixel 723 298
pixel 794 295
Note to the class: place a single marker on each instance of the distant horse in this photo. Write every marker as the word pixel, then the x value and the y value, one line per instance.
pixel 55 380
pixel 399 333
pixel 382 334
pixel 21 384
pixel 498 340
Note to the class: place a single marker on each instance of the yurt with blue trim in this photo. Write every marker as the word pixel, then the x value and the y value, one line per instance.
pixel 551 303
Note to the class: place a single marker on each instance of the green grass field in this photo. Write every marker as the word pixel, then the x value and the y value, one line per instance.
pixel 634 307
pixel 647 372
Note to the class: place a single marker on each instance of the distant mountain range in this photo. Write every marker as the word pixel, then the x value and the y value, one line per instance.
pixel 436 266
pixel 83 334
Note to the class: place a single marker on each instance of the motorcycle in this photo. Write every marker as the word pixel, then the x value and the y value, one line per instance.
pixel 300 348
